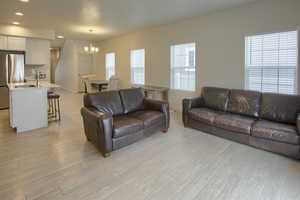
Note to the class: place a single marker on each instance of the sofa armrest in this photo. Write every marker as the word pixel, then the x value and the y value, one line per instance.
pixel 188 104
pixel 98 128
pixel 298 123
pixel 162 106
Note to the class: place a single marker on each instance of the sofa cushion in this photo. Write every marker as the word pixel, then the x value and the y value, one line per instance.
pixel 215 98
pixel 275 131
pixel 244 102
pixel 149 118
pixel 204 115
pixel 236 123
pixel 280 107
pixel 132 99
pixel 124 125
pixel 108 101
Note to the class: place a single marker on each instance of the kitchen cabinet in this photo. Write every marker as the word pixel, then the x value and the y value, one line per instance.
pixel 37 52
pixel 12 43
pixel 3 42
pixel 28 100
pixel 16 44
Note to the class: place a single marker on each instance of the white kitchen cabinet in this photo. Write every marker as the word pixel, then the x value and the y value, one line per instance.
pixel 3 42
pixel 16 44
pixel 37 52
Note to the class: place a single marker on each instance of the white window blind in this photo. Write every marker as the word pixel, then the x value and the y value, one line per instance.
pixel 137 60
pixel 110 64
pixel 271 62
pixel 183 71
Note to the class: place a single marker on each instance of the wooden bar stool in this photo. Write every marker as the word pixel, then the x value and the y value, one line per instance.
pixel 54 107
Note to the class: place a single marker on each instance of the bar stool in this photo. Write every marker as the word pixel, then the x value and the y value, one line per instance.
pixel 53 106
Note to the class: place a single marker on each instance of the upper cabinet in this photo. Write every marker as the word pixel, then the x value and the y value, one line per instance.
pixel 37 52
pixel 12 43
pixel 16 44
pixel 3 42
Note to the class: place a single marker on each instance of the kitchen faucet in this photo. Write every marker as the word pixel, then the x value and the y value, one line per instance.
pixel 37 78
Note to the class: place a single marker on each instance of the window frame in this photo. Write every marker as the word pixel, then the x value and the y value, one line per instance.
pixel 106 68
pixel 246 60
pixel 195 67
pixel 131 66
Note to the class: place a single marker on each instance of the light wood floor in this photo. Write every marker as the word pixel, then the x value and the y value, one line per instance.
pixel 58 163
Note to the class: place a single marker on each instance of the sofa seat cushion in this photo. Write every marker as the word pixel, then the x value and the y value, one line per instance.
pixel 276 131
pixel 236 123
pixel 149 118
pixel 204 115
pixel 125 125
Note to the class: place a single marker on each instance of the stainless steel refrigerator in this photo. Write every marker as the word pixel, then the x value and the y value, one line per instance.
pixel 11 71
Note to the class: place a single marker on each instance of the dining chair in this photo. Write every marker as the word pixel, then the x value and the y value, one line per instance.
pixel 113 83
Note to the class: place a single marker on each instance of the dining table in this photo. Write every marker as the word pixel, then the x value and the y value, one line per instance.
pixel 100 84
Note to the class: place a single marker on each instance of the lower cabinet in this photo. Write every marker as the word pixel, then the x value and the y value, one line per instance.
pixel 28 109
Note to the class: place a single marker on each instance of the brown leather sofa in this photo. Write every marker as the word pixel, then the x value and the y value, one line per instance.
pixel 264 120
pixel 115 119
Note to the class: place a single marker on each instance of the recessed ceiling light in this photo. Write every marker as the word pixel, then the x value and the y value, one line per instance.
pixel 16 23
pixel 91 30
pixel 19 13
pixel 25 1
pixel 60 37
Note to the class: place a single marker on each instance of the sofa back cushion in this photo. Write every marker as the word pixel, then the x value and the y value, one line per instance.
pixel 215 98
pixel 280 107
pixel 108 101
pixel 132 99
pixel 244 102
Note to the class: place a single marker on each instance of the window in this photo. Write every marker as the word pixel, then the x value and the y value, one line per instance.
pixel 183 71
pixel 137 59
pixel 271 62
pixel 110 64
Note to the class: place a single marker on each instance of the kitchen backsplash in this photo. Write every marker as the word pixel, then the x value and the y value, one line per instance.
pixel 30 72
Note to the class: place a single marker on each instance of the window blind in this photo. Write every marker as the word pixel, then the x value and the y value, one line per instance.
pixel 183 72
pixel 271 62
pixel 137 60
pixel 110 64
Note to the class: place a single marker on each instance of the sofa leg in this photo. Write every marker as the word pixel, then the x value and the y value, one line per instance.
pixel 165 130
pixel 106 154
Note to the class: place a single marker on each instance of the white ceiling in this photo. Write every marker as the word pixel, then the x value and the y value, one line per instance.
pixel 73 18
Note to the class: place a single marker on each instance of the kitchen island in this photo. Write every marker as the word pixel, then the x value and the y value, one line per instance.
pixel 29 105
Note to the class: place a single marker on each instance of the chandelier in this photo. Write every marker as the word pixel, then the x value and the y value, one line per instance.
pixel 91 49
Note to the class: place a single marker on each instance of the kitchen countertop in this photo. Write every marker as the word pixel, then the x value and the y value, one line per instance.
pixel 31 85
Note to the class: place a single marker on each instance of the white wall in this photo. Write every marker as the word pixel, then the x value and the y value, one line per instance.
pixel 220 44
pixel 73 62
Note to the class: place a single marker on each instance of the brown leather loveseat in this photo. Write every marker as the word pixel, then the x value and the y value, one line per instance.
pixel 263 120
pixel 115 119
